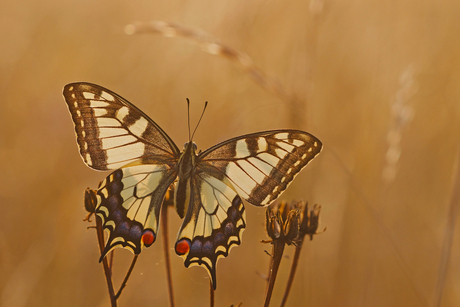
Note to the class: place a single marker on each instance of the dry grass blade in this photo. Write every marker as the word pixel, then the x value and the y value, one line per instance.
pixel 211 45
pixel 449 233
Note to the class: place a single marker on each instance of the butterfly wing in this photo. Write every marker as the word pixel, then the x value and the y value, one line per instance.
pixel 111 134
pixel 260 166
pixel 129 202
pixel 214 223
pixel 255 167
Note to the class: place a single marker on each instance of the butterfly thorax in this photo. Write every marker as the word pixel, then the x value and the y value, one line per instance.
pixel 186 167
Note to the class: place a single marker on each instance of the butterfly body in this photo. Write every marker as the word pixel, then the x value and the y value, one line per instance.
pixel 210 186
pixel 186 167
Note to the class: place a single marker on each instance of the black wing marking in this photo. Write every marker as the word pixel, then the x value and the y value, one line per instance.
pixel 111 132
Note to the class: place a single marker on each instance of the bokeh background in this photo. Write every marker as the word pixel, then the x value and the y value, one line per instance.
pixel 378 82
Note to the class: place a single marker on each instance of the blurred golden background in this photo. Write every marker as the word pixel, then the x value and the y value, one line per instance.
pixel 376 81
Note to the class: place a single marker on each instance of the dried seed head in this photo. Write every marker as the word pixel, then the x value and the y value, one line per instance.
pixel 282 222
pixel 90 203
pixel 291 226
pixel 310 221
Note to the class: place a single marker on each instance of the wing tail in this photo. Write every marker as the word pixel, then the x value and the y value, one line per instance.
pixel 214 223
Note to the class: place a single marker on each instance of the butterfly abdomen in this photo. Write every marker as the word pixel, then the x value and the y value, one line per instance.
pixel 182 196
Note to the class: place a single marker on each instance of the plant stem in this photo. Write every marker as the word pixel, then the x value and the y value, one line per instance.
pixel 278 248
pixel 105 265
pixel 164 230
pixel 270 265
pixel 123 284
pixel 295 261
pixel 211 294
pixel 110 261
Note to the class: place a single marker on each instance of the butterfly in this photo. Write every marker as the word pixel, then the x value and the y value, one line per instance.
pixel 210 186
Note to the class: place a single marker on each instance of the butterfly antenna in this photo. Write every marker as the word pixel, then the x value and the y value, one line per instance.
pixel 204 109
pixel 188 116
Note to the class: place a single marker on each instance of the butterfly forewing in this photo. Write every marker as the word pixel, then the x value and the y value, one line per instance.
pixel 111 132
pixel 260 166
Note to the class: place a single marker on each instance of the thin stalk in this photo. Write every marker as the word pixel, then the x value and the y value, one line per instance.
pixel 130 270
pixel 270 265
pixel 448 234
pixel 278 249
pixel 211 294
pixel 111 257
pixel 295 261
pixel 164 230
pixel 105 265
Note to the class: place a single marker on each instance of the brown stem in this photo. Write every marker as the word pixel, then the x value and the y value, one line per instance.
pixel 123 284
pixel 211 294
pixel 295 261
pixel 105 265
pixel 278 248
pixel 270 265
pixel 110 261
pixel 164 230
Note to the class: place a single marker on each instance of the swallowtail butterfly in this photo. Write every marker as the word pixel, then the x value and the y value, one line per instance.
pixel 113 134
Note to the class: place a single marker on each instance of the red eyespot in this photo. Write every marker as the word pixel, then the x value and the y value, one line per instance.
pixel 148 238
pixel 182 247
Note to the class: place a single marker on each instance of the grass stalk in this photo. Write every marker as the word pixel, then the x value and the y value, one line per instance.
pixel 164 230
pixel 454 207
pixel 130 270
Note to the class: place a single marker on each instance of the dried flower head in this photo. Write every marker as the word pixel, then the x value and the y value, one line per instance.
pixel 310 222
pixel 282 222
pixel 90 203
pixel 288 222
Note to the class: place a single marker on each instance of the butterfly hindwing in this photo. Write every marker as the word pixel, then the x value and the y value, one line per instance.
pixel 214 223
pixel 111 132
pixel 129 202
